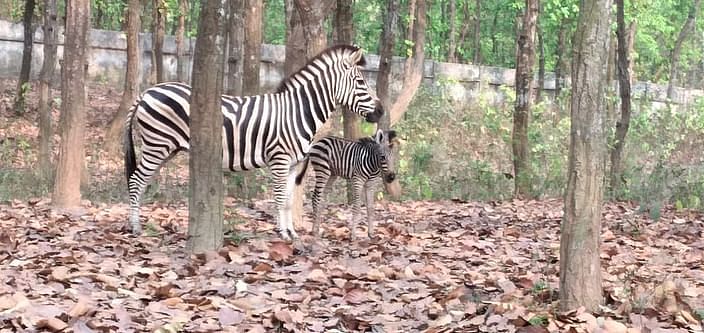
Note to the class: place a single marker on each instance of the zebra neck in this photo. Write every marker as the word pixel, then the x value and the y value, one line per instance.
pixel 312 107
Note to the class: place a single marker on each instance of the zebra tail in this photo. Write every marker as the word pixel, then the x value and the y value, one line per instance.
pixel 128 145
pixel 302 172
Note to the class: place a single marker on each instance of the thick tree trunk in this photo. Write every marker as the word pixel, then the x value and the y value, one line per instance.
pixel 45 78
pixel 252 46
pixel 71 159
pixel 524 90
pixel 624 83
pixel 580 270
pixel 23 83
pixel 205 210
pixel 677 50
pixel 159 22
pixel 181 60
pixel 235 42
pixel 295 43
pixel 477 58
pixel 344 34
pixel 452 38
pixel 131 85
pixel 413 69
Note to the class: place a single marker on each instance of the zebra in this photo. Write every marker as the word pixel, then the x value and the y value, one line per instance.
pixel 364 161
pixel 271 130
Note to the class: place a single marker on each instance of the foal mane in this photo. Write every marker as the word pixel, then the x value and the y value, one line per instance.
pixel 342 48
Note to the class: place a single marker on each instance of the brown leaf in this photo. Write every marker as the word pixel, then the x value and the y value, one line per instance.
pixel 280 251
pixel 53 324
pixel 355 296
pixel 228 317
pixel 317 275
pixel 80 308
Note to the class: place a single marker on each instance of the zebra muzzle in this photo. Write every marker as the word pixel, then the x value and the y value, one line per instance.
pixel 389 177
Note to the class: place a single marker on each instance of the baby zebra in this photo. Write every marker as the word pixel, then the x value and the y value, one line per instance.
pixel 363 161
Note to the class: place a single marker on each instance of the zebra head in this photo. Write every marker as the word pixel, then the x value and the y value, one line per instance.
pixel 385 140
pixel 355 93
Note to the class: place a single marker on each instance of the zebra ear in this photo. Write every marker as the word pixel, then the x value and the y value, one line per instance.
pixel 355 57
pixel 391 134
pixel 379 136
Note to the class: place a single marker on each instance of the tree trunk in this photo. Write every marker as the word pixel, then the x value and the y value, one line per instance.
pixel 559 53
pixel 541 60
pixel 295 43
pixel 624 83
pixel 159 12
pixel 677 50
pixel 71 159
pixel 131 85
pixel 452 38
pixel 45 78
pixel 181 61
pixel 23 83
pixel 311 17
pixel 413 69
pixel 205 206
pixel 477 58
pixel 580 270
pixel 235 47
pixel 344 34
pixel 466 23
pixel 252 46
pixel 524 83
pixel 386 53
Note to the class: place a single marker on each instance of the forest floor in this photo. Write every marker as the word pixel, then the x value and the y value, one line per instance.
pixel 443 266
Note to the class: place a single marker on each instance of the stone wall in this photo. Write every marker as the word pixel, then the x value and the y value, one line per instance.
pixel 462 82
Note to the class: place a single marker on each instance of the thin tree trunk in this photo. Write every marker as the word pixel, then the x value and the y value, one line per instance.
pixel 45 78
pixel 494 43
pixel 521 116
pixel 181 61
pixel 413 69
pixel 235 47
pixel 205 204
pixel 386 52
pixel 344 34
pixel 559 53
pixel 23 82
pixel 464 32
pixel 541 61
pixel 71 159
pixel 677 50
pixel 624 83
pixel 252 46
pixel 158 38
pixel 477 58
pixel 452 38
pixel 580 269
pixel 131 84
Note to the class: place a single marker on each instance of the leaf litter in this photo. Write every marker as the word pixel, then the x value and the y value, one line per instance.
pixel 434 267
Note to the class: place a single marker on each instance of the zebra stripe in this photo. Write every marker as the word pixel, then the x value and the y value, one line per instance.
pixel 270 130
pixel 364 162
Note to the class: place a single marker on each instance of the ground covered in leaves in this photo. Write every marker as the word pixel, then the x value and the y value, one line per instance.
pixel 434 267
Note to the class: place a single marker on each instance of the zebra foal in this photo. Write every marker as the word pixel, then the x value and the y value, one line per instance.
pixel 364 161
pixel 271 130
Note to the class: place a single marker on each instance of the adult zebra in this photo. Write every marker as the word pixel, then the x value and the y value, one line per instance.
pixel 274 130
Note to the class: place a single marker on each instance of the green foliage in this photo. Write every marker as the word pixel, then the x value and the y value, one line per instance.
pixel 539 320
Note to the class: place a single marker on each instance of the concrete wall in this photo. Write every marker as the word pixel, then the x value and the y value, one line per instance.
pixel 462 83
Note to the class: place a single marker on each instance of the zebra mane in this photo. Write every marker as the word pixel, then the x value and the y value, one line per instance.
pixel 341 49
pixel 370 143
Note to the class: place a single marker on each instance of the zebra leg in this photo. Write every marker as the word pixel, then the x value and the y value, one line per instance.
pixel 369 202
pixel 149 165
pixel 357 188
pixel 284 182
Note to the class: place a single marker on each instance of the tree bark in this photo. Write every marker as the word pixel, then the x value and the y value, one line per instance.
pixel 452 38
pixel 71 159
pixel 158 27
pixel 252 46
pixel 477 58
pixel 677 50
pixel 580 270
pixel 181 61
pixel 541 59
pixel 131 85
pixel 466 24
pixel 235 48
pixel 624 83
pixel 413 69
pixel 23 82
pixel 205 205
pixel 295 43
pixel 524 90
pixel 45 78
